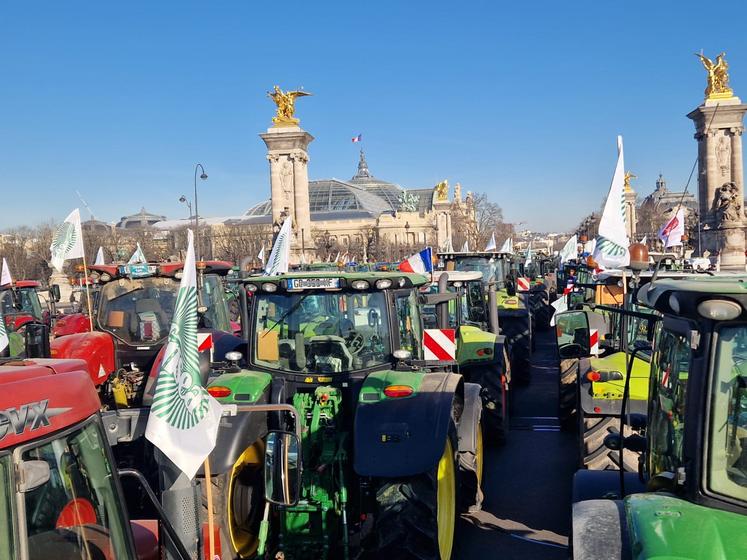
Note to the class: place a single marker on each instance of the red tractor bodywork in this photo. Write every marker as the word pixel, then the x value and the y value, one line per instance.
pixel 95 348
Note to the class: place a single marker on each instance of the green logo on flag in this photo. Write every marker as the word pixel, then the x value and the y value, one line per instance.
pixel 64 239
pixel 180 399
pixel 610 248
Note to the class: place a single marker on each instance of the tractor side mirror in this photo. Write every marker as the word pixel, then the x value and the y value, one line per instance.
pixel 282 468
pixel 54 291
pixel 572 334
pixel 36 339
pixel 32 474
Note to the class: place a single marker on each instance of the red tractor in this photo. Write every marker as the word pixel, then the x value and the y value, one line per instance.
pixel 60 492
pixel 132 315
pixel 21 306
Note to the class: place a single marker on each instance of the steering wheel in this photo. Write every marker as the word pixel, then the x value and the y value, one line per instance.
pixel 355 342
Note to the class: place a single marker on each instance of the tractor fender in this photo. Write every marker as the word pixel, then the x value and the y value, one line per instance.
pixel 599 530
pixel 404 436
pixel 95 348
pixel 236 432
pixel 469 423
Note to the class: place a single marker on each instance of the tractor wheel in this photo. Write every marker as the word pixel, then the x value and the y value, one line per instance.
pixel 494 396
pixel 567 387
pixel 238 502
pixel 594 455
pixel 521 365
pixel 416 516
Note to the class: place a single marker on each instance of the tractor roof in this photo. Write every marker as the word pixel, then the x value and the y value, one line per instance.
pixel 483 254
pixel 398 279
pixel 683 294
pixel 21 284
pixel 169 269
pixel 458 275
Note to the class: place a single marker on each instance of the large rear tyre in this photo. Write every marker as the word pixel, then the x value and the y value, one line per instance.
pixel 471 466
pixel 238 502
pixel 567 388
pixel 595 455
pixel 416 516
pixel 494 397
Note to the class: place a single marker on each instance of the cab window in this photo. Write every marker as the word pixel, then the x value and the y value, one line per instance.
pixel 6 509
pixel 668 394
pixel 408 322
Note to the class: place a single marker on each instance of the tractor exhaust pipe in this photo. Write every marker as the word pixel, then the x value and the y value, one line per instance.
pixel 493 307
pixel 442 309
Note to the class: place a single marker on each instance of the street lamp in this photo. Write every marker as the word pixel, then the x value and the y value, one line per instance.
pixel 184 200
pixel 203 176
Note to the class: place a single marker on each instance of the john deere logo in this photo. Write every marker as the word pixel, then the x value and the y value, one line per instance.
pixel 64 239
pixel 180 398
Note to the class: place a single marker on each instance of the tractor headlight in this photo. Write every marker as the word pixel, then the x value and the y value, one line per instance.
pixel 719 309
pixel 269 287
pixel 383 284
pixel 359 284
pixel 105 277
pixel 251 287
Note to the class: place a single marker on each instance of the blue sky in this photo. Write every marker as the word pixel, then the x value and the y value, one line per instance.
pixel 119 100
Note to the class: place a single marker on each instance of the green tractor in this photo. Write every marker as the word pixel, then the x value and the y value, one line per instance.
pixel 690 498
pixel 377 450
pixel 513 308
pixel 481 353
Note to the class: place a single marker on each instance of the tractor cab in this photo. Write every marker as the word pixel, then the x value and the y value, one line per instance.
pixel 20 307
pixel 468 308
pixel 693 438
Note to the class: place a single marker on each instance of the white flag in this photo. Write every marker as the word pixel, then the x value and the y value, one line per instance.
pixel 303 258
pixel 183 420
pixel 261 255
pixel 465 247
pixel 528 260
pixel 589 246
pixel 671 234
pixel 100 256
pixel 559 305
pixel 569 250
pixel 508 246
pixel 645 239
pixel 611 250
pixel 4 340
pixel 5 277
pixel 449 246
pixel 67 242
pixel 492 245
pixel 280 254
pixel 138 256
pixel 337 258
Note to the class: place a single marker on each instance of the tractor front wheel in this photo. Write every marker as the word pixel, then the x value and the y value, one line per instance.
pixel 238 504
pixel 416 516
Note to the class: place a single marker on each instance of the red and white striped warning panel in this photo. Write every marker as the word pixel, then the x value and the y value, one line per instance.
pixel 439 344
pixel 204 341
pixel 594 341
pixel 522 284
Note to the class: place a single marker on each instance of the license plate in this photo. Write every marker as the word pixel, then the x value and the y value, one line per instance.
pixel 137 270
pixel 312 283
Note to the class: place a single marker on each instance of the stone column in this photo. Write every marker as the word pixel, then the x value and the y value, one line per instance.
pixel 716 120
pixel 289 181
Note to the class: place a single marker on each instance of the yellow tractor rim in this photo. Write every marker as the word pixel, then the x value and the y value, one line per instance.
pixel 244 541
pixel 479 456
pixel 446 502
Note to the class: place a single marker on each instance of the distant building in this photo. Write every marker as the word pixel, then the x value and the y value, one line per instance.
pixel 666 201
pixel 142 219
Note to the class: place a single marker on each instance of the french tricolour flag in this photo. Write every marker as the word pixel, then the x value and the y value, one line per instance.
pixel 358 138
pixel 420 262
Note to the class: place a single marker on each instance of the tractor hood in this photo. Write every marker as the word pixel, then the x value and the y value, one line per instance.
pixel 665 527
pixel 614 389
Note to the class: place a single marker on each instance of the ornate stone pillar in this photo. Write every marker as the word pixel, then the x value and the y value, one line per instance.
pixel 302 210
pixel 276 193
pixel 737 171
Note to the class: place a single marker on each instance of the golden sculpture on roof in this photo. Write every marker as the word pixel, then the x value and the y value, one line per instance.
pixel 285 101
pixel 718 77
pixel 626 180
pixel 442 191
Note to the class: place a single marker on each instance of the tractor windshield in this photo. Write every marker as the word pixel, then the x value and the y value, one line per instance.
pixel 727 446
pixel 138 311
pixel 28 300
pixel 73 509
pixel 489 266
pixel 7 548
pixel 323 332
pixel 213 296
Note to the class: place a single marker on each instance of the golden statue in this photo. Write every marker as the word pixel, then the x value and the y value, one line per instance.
pixel 718 77
pixel 626 180
pixel 442 191
pixel 285 100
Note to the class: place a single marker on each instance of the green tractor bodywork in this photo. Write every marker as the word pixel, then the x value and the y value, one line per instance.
pixel 377 426
pixel 480 353
pixel 513 309
pixel 691 500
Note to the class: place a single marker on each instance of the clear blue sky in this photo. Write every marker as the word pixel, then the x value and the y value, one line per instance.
pixel 520 100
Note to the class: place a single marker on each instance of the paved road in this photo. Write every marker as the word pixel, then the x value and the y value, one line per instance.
pixel 527 482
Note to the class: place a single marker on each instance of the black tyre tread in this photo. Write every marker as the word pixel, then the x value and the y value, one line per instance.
pixel 406 522
pixel 567 387
pixel 470 490
pixel 493 394
pixel 595 456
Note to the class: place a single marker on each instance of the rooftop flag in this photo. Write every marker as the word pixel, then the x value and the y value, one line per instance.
pixel 100 257
pixel 492 245
pixel 421 262
pixel 68 241
pixel 5 277
pixel 672 232
pixel 356 139
pixel 611 250
pixel 280 254
pixel 508 246
pixel 569 250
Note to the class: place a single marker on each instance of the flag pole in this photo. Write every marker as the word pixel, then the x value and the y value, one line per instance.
pixel 88 292
pixel 211 524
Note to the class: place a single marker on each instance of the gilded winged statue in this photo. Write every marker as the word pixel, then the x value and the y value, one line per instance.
pixel 285 101
pixel 718 76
